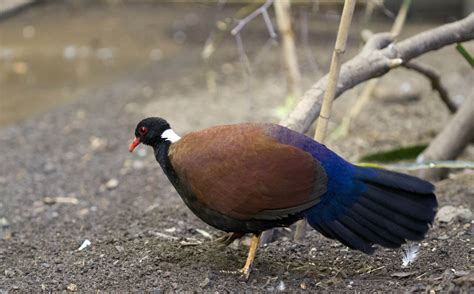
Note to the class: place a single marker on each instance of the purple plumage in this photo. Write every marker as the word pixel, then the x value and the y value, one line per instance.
pixel 364 206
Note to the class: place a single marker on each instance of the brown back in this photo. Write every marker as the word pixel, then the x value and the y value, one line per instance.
pixel 243 173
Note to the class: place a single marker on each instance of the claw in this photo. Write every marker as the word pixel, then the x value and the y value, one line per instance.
pixel 227 239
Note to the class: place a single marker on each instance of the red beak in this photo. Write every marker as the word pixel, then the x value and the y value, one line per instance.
pixel 134 144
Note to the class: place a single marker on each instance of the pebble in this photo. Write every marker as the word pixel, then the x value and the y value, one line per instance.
pixel 205 283
pixel 49 168
pixel 9 273
pixel 450 213
pixel 72 287
pixel 97 143
pixel 3 222
pixel 49 200
pixel 84 245
pixel 281 286
pixel 112 184
pixel 138 164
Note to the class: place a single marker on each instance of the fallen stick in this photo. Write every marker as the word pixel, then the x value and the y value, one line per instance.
pixel 451 141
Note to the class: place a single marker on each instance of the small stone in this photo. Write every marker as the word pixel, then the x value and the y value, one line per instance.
pixel 49 168
pixel 281 286
pixel 170 230
pixel 5 234
pixel 138 164
pixel 3 222
pixel 49 200
pixel 97 143
pixel 84 245
pixel 205 283
pixel 450 213
pixel 112 184
pixel 9 273
pixel 66 200
pixel 72 287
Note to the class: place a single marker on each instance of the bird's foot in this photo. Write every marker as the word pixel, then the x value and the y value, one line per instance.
pixel 227 239
pixel 245 271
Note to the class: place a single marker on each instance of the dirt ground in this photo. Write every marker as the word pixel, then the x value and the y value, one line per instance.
pixel 66 175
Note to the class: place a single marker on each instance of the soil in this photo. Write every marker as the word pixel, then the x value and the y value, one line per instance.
pixel 66 175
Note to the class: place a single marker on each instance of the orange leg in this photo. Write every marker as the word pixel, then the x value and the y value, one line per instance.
pixel 251 256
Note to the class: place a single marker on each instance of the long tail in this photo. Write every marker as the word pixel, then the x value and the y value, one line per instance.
pixel 384 208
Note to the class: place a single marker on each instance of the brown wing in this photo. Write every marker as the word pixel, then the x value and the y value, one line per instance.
pixel 243 173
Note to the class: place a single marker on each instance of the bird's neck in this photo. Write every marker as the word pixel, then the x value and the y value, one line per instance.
pixel 161 155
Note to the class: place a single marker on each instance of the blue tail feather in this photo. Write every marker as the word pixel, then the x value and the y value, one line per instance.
pixel 371 206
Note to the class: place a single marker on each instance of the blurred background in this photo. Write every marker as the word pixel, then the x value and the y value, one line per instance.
pixel 53 51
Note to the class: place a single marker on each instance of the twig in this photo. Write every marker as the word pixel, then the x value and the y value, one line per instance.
pixel 385 10
pixel 261 10
pixel 366 94
pixel 334 70
pixel 236 32
pixel 376 63
pixel 293 75
pixel 435 80
pixel 221 28
pixel 401 17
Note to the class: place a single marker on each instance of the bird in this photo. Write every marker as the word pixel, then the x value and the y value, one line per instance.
pixel 250 177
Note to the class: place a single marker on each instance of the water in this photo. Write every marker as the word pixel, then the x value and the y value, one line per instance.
pixel 52 53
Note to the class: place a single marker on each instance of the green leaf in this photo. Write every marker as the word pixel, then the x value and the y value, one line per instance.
pixel 398 154
pixel 465 54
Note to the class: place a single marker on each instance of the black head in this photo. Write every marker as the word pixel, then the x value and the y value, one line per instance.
pixel 149 132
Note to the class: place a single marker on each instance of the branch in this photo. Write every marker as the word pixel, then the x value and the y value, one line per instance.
pixel 261 10
pixel 435 80
pixel 451 141
pixel 366 66
pixel 293 75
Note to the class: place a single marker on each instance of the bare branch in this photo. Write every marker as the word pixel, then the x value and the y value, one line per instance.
pixel 375 41
pixel 261 10
pixel 367 66
pixel 435 80
pixel 293 75
pixel 451 141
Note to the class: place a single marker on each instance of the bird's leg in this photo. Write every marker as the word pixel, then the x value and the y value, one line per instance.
pixel 251 255
pixel 228 238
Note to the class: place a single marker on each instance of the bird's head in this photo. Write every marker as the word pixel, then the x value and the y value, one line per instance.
pixel 153 131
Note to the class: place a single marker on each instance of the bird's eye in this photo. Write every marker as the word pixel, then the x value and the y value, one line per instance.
pixel 143 130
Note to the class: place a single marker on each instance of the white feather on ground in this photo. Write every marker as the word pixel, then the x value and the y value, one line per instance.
pixel 410 252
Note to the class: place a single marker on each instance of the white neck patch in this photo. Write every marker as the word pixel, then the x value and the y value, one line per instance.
pixel 170 135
